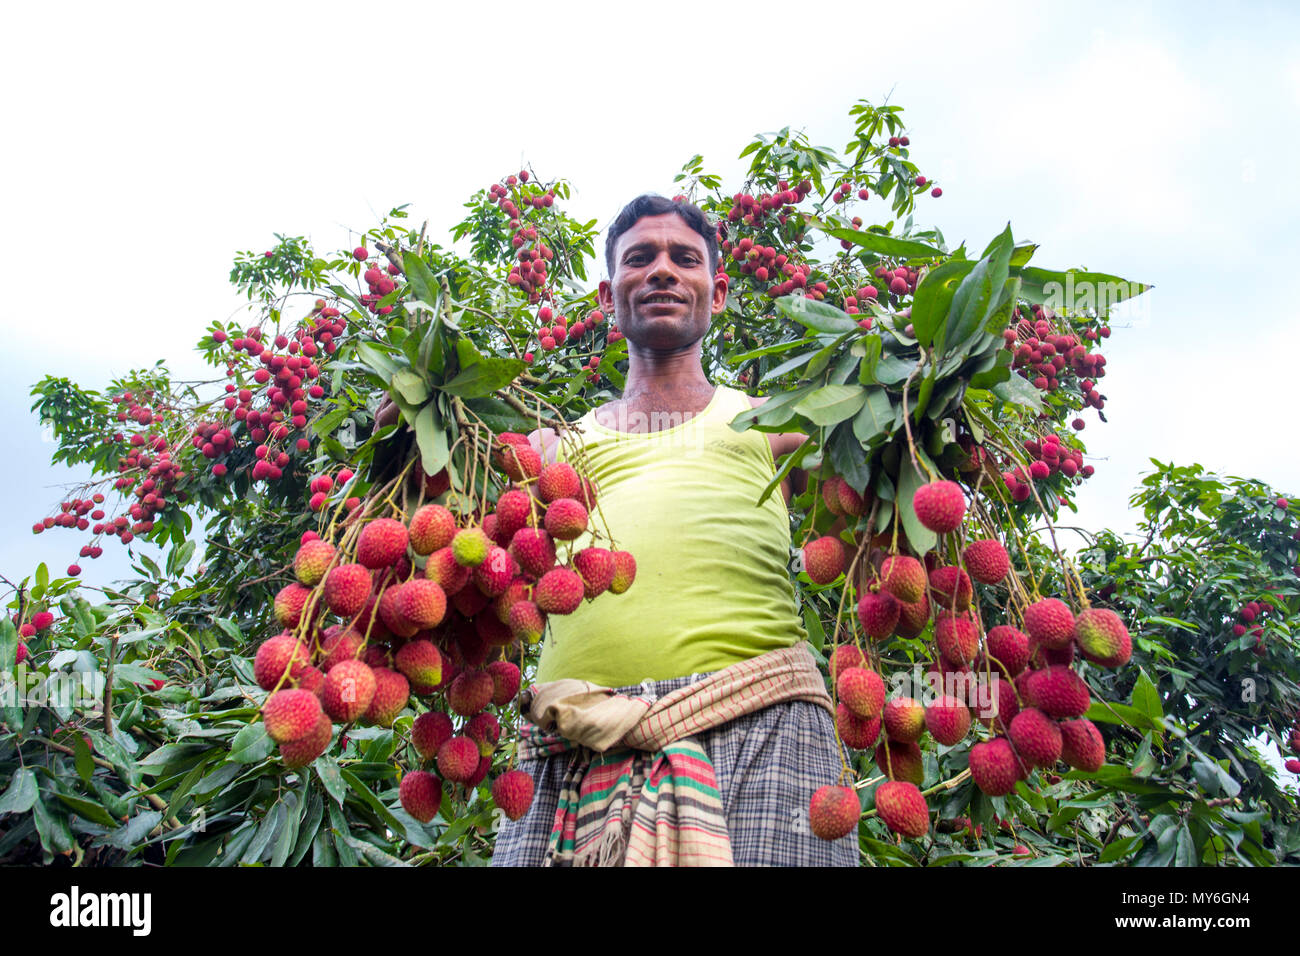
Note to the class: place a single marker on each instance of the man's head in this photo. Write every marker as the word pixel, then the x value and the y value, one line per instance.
pixel 663 287
pixel 652 205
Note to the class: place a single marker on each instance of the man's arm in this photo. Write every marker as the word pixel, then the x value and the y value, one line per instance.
pixel 783 443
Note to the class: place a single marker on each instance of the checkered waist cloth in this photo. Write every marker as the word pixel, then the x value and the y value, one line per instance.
pixel 638 790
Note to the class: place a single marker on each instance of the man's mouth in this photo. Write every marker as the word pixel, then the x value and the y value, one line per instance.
pixel 660 297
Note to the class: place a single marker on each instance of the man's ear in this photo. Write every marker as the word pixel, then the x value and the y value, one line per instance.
pixel 721 282
pixel 605 296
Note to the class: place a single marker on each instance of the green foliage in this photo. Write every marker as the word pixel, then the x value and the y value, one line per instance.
pixel 165 759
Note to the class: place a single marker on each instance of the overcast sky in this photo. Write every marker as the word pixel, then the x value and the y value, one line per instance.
pixel 146 144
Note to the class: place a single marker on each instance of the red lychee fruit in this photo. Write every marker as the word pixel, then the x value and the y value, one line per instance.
pixel 505 681
pixel 458 759
pixel 290 714
pixel 421 662
pixel 1010 648
pixel 559 591
pixel 862 690
pixel 565 519
pixel 392 690
pixel 342 645
pixel 556 481
pixel 300 752
pixel 948 720
pixel 42 619
pixel 520 462
pixel 856 732
pixel 311 562
pixel 951 588
pixel 904 719
pixel 381 543
pixel 833 812
pixel 422 602
pixel 902 761
pixel 421 795
pixel 275 656
pixel 845 656
pixel 347 588
pixel 831 494
pixel 431 528
pixel 987 561
pixel 624 572
pixel 429 732
pixel 1081 745
pixel 526 622
pixel 851 503
pixel 1036 738
pixel 823 559
pixel 470 692
pixel 289 603
pixel 494 575
pixel 1058 691
pixel 1102 637
pixel 912 618
pixel 513 793
pixel 878 613
pixel 903 809
pixel 904 577
pixel 1050 623
pixel 484 729
pixel 442 569
pixel 994 768
pixel 596 568
pixel 956 636
pixel 940 506
pixel 348 690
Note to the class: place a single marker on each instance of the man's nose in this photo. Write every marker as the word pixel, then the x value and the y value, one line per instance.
pixel 662 269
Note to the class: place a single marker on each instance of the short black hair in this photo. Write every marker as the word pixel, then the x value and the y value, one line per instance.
pixel 650 204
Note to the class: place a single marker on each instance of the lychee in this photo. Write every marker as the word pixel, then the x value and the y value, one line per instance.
pixel 421 795
pixel 349 687
pixel 823 559
pixel 904 577
pixel 624 572
pixel 1035 737
pixel 993 767
pixel 878 613
pixel 833 812
pixel 458 759
pixel 381 543
pixel 290 714
pixel 1050 623
pixel 429 732
pixel 948 720
pixel 513 793
pixel 1081 745
pixel 311 561
pixel 987 561
pixel 902 807
pixel 431 528
pixel 1010 648
pixel 862 690
pixel 940 506
pixel 1102 637
pixel 347 587
pixel 904 719
pixel 559 591
pixel 392 690
pixel 300 752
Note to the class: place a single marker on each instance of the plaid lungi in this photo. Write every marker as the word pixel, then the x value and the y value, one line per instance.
pixel 767 764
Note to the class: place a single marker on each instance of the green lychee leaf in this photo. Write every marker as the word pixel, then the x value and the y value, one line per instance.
pixel 252 744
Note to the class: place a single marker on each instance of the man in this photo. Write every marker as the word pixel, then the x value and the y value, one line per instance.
pixel 678 488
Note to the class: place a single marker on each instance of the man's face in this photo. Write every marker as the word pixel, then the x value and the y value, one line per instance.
pixel 662 291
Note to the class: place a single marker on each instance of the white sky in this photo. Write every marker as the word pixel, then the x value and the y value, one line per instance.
pixel 146 144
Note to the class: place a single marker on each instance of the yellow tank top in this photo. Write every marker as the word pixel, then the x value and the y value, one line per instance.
pixel 711 585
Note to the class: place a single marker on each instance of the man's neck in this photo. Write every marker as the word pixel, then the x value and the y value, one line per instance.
pixel 665 388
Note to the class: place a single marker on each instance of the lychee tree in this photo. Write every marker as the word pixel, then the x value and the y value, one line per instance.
pixel 361 552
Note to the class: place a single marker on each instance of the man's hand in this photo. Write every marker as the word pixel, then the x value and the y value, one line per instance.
pixel 387 413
